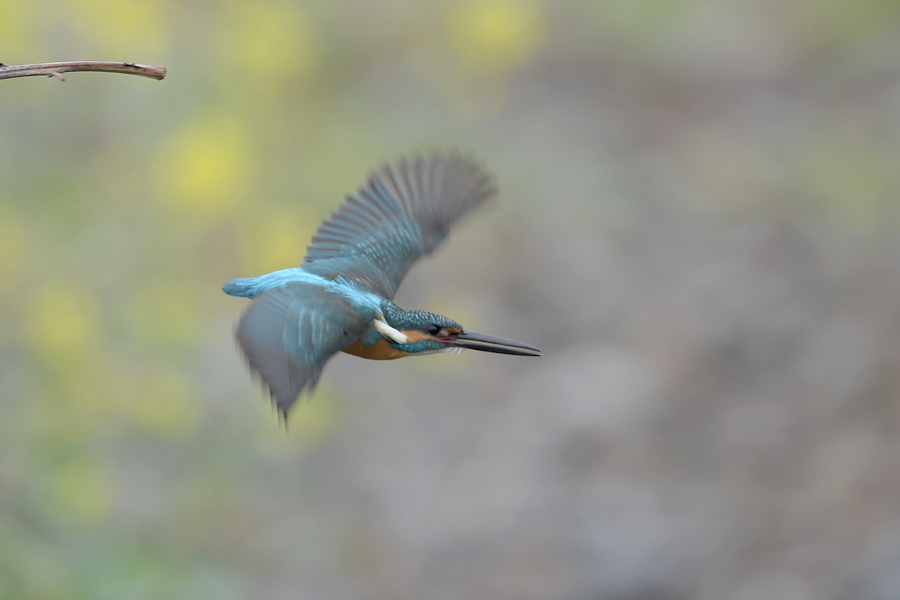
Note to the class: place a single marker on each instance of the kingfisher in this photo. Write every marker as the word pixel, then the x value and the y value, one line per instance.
pixel 341 297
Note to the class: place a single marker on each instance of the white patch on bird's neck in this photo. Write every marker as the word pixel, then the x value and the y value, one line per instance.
pixel 389 332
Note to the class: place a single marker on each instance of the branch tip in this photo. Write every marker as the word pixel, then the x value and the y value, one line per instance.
pixel 55 69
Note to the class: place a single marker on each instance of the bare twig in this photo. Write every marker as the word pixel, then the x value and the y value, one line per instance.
pixel 55 69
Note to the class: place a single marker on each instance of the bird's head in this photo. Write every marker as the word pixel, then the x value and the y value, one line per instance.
pixel 422 332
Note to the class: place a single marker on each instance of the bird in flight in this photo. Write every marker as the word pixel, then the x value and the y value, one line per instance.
pixel 341 297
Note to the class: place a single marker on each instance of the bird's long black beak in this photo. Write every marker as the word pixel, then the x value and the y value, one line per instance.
pixel 489 343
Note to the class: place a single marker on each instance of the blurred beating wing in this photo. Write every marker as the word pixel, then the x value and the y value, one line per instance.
pixel 404 211
pixel 288 334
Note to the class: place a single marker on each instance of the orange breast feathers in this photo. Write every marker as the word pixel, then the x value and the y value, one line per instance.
pixel 381 350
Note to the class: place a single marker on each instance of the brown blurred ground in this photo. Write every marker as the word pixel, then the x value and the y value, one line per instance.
pixel 697 223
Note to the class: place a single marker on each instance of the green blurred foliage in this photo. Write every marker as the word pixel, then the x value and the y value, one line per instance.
pixel 125 204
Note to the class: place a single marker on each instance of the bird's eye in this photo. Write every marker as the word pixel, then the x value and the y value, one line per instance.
pixel 434 329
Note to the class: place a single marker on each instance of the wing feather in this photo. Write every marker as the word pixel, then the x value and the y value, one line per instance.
pixel 404 211
pixel 287 336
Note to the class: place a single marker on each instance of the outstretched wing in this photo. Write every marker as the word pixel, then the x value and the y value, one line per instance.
pixel 404 211
pixel 288 334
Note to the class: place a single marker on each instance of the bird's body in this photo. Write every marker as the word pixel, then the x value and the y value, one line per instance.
pixel 341 297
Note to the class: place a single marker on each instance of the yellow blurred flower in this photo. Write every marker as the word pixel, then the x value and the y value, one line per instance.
pixel 270 39
pixel 122 27
pixel 493 36
pixel 62 322
pixel 278 240
pixel 205 166
pixel 17 29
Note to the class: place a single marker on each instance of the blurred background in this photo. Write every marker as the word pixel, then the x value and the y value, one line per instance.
pixel 697 222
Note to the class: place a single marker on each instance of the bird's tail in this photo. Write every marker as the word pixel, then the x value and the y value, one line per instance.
pixel 243 287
